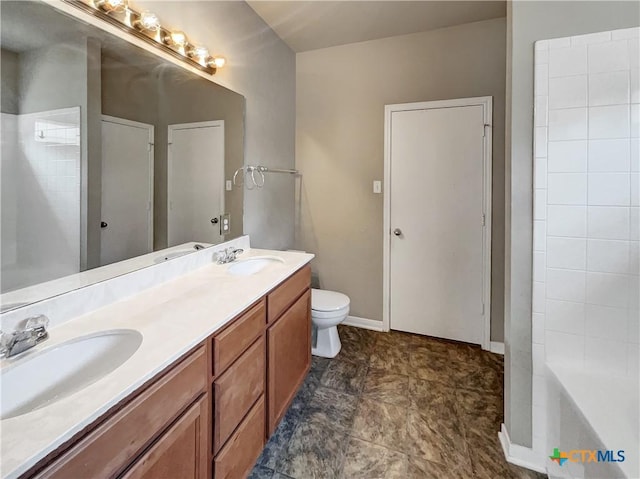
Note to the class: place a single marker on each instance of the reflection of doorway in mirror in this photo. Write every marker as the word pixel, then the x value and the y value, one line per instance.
pixel 127 189
pixel 195 182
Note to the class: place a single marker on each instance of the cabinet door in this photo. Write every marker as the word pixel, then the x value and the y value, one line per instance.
pixel 181 452
pixel 289 351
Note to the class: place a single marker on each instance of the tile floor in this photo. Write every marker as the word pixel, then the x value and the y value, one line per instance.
pixel 394 405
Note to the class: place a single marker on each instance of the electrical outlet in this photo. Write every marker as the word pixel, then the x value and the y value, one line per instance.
pixel 225 225
pixel 377 186
pixel 229 185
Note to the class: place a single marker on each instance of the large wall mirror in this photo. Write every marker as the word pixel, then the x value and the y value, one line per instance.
pixel 112 158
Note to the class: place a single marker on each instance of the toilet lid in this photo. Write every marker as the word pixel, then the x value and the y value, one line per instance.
pixel 322 300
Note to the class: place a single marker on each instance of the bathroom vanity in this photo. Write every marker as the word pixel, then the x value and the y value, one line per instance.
pixel 205 413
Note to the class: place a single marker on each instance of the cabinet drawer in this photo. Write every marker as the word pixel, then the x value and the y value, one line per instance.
pixel 237 390
pixel 180 452
pixel 230 343
pixel 106 451
pixel 284 295
pixel 238 456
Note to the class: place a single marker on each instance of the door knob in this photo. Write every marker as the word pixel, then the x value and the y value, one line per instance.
pixel 214 221
pixel 103 224
pixel 397 232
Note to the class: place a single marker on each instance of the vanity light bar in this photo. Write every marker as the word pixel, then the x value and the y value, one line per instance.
pixel 146 26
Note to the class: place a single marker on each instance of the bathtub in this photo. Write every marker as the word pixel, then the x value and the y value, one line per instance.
pixel 590 411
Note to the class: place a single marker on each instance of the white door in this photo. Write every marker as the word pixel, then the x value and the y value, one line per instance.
pixel 438 235
pixel 195 182
pixel 127 189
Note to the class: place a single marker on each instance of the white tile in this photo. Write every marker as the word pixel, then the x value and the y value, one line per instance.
pixel 539 391
pixel 567 189
pixel 541 57
pixel 608 289
pixel 538 297
pixel 567 221
pixel 540 111
pixel 568 92
pixel 608 122
pixel 605 355
pixel 539 266
pixel 608 57
pixel 635 153
pixel 563 347
pixel 633 326
pixel 609 189
pixel 635 121
pixel 607 256
pixel 608 222
pixel 565 316
pixel 566 253
pixel 567 61
pixel 625 33
pixel 539 423
pixel 606 322
pixel 537 328
pixel 565 285
pixel 567 156
pixel 634 223
pixel 537 359
pixel 608 88
pixel 556 43
pixel 634 257
pixel 541 80
pixel 591 38
pixel 541 173
pixel 634 85
pixel 634 178
pixel 539 235
pixel 541 45
pixel 540 145
pixel 634 292
pixel 539 204
pixel 609 155
pixel 568 124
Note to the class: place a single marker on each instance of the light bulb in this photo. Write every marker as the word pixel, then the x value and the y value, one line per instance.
pixel 178 38
pixel 149 21
pixel 111 5
pixel 200 52
pixel 217 62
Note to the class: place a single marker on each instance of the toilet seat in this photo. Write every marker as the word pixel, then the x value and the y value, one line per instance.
pixel 332 302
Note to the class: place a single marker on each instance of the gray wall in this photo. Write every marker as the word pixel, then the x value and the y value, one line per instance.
pixel 527 23
pixel 261 67
pixel 341 93
pixel 9 63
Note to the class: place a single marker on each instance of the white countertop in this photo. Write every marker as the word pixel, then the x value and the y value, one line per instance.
pixel 173 318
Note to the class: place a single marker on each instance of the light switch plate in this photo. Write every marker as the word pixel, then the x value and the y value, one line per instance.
pixel 377 186
pixel 229 185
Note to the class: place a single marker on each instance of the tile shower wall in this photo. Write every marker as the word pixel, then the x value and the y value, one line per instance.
pixel 44 174
pixel 586 208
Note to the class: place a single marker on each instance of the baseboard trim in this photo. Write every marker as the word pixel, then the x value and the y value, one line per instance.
pixel 497 347
pixel 519 455
pixel 364 323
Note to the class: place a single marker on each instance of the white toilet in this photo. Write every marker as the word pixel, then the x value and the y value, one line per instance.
pixel 328 309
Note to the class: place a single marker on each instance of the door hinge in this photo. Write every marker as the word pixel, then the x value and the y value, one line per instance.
pixel 150 146
pixel 482 308
pixel 484 220
pixel 484 129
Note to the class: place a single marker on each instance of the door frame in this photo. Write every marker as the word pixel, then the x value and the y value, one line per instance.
pixel 189 126
pixel 487 103
pixel 151 149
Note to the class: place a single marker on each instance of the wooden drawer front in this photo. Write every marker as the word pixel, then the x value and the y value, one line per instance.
pixel 237 390
pixel 112 446
pixel 230 343
pixel 284 295
pixel 239 455
pixel 289 344
pixel 181 452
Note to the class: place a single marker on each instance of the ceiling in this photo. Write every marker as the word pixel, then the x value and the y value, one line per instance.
pixel 309 25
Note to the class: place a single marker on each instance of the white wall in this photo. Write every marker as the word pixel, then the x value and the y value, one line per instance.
pixel 586 209
pixel 262 68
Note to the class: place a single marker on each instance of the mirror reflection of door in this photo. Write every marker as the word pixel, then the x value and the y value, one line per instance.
pixel 127 189
pixel 195 182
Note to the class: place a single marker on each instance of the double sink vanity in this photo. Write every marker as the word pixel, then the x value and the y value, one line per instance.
pixel 187 379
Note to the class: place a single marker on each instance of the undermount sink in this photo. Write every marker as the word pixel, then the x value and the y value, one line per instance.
pixel 249 266
pixel 54 373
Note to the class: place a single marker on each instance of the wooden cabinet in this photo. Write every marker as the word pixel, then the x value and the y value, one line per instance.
pixel 210 413
pixel 289 351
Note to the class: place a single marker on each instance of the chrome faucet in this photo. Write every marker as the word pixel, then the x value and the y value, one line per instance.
pixel 198 247
pixel 33 331
pixel 228 255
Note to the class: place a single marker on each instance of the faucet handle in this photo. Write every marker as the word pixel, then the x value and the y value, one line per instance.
pixel 36 322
